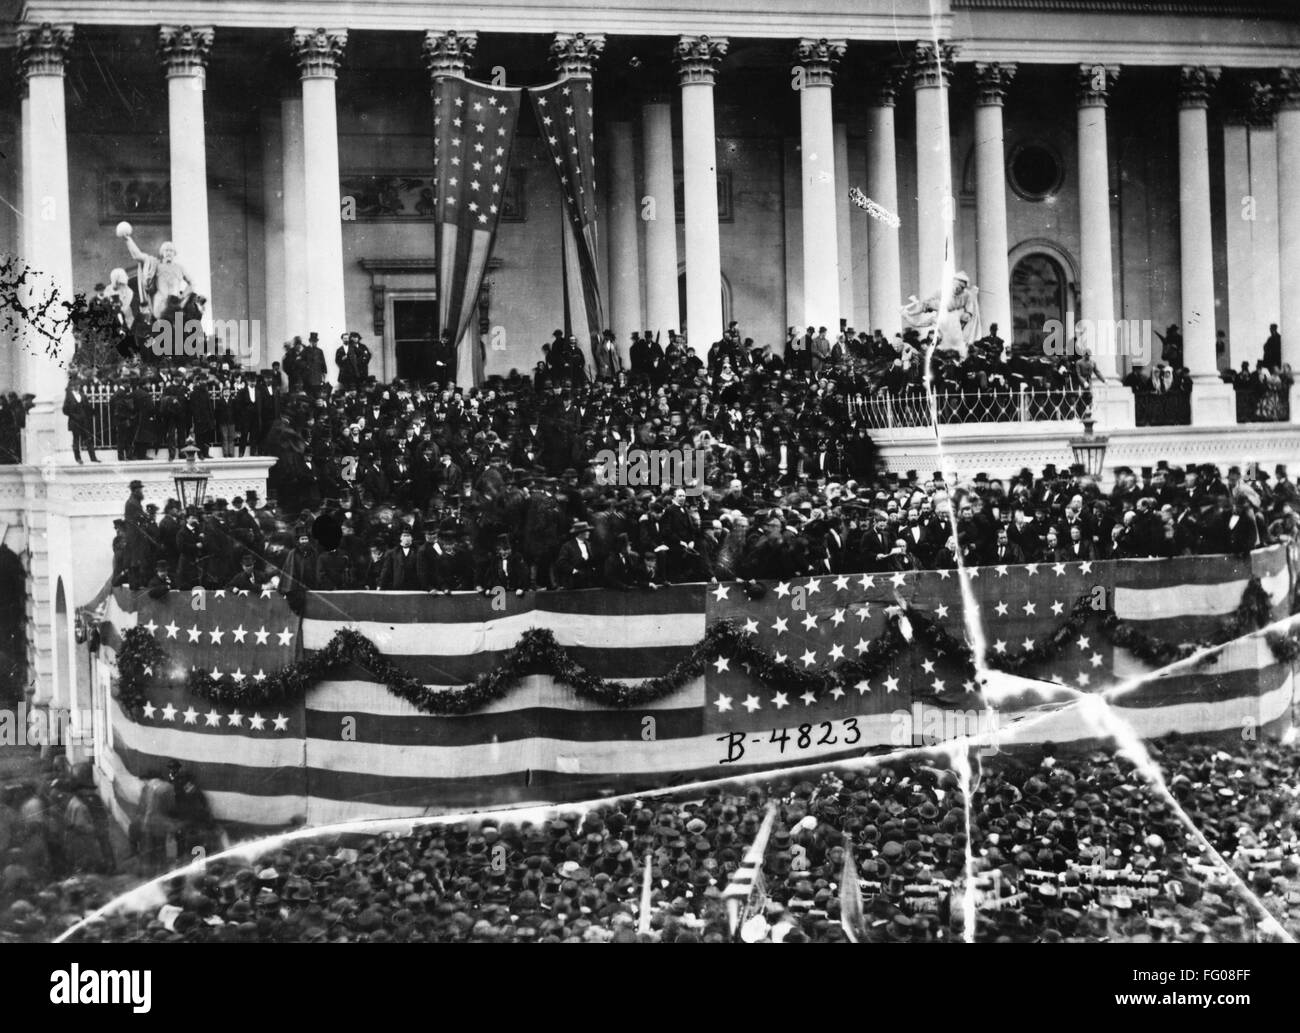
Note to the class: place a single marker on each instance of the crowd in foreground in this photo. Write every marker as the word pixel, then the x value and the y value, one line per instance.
pixel 1067 847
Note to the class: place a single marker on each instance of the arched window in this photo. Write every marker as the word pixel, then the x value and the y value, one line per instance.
pixel 1037 295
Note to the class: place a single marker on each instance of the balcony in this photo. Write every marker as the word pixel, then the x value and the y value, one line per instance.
pixel 912 408
pixel 1163 409
pixel 1266 405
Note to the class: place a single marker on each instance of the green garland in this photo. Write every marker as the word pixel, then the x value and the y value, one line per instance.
pixel 538 652
pixel 138 657
pixel 535 652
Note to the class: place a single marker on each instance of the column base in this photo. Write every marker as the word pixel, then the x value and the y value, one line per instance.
pixel 1213 402
pixel 46 436
pixel 1113 407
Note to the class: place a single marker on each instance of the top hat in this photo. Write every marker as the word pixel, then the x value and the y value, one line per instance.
pixel 313 337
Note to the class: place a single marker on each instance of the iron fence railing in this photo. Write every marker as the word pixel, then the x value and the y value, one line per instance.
pixel 912 408
pixel 1163 409
pixel 1263 405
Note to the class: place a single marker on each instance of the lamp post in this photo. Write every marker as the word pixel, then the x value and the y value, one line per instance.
pixel 1090 449
pixel 191 478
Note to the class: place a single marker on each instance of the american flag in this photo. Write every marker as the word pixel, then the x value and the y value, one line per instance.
pixel 351 749
pixel 564 114
pixel 474 129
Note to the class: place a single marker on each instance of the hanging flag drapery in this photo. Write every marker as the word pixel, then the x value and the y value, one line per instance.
pixel 564 114
pixel 474 128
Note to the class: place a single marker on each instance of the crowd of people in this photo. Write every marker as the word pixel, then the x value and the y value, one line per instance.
pixel 1067 847
pixel 420 494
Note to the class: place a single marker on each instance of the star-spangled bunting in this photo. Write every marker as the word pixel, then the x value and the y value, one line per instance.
pixel 564 116
pixel 820 622
pixel 474 129
pixel 234 638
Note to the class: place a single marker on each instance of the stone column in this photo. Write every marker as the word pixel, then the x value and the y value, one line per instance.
pixel 1211 398
pixel 42 52
pixel 1262 137
pixel 1112 404
pixel 1288 210
pixel 931 71
pixel 319 52
pixel 844 229
pixel 18 358
pixel 884 285
pixel 273 233
pixel 184 51
pixel 1250 193
pixel 658 209
pixel 993 274
pixel 815 61
pixel 697 60
pixel 624 253
pixel 1096 273
pixel 295 217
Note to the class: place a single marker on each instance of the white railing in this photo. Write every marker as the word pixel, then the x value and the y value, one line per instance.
pixel 912 408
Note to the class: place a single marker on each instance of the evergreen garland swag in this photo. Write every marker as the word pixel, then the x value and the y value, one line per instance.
pixel 140 659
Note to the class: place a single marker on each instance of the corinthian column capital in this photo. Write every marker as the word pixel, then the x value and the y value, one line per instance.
pixel 319 51
pixel 43 49
pixel 183 49
pixel 697 58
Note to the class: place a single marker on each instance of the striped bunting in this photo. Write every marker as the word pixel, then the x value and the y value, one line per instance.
pixel 353 750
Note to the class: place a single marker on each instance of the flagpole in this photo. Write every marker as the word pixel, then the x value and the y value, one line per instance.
pixel 850 897
pixel 748 877
pixel 643 920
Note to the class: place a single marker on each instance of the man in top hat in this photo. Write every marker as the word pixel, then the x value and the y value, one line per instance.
pixel 248 579
pixel 76 407
pixel 137 548
pixel 401 569
pixel 575 566
pixel 162 581
pixel 442 565
pixel 505 569
pixel 300 573
pixel 312 368
pixel 608 361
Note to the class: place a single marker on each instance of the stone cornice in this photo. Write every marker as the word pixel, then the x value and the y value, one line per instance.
pixel 876 20
pixel 1262 9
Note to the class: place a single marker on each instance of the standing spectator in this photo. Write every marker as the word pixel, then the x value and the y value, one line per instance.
pixel 401 568
pixel 312 366
pixel 76 407
pixel 1273 348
